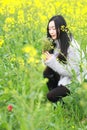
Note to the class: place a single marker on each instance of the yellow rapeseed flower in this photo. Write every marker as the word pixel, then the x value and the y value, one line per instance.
pixel 21 17
pixel 38 3
pixel 1 42
pixel 9 23
pixel 2 10
pixel 10 20
pixel 12 3
pixel 31 60
pixel 11 10
pixel 26 49
pixel 30 50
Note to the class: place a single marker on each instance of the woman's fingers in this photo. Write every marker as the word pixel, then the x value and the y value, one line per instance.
pixel 47 55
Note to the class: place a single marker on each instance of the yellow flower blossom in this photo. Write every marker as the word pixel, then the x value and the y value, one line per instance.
pixel 26 49
pixel 21 17
pixel 38 3
pixel 2 10
pixel 30 50
pixel 31 60
pixel 9 20
pixel 43 18
pixel 1 42
pixel 12 3
pixel 18 60
pixel 9 23
pixel 11 10
pixel 37 61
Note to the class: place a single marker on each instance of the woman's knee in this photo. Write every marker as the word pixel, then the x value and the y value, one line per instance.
pixel 51 97
pixel 66 90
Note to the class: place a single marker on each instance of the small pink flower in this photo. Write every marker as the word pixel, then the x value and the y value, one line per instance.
pixel 10 107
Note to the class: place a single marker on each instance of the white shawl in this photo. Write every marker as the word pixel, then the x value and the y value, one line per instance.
pixel 72 68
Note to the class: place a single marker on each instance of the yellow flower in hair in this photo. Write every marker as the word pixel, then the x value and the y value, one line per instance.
pixel 64 29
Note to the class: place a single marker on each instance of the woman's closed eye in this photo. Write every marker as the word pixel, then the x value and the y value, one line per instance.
pixel 53 28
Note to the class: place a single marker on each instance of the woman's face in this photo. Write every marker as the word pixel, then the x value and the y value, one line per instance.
pixel 52 30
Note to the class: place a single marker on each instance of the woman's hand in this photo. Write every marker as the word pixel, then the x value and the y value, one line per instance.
pixel 47 55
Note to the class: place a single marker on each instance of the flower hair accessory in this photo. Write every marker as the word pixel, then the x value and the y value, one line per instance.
pixel 64 29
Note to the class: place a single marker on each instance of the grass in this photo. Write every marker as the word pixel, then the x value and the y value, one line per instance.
pixel 22 25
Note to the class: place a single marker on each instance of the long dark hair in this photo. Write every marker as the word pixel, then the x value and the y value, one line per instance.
pixel 63 36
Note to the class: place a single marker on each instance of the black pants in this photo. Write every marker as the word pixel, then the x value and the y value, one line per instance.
pixel 55 92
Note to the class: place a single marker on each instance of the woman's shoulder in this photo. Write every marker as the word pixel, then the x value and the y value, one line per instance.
pixel 74 49
pixel 74 44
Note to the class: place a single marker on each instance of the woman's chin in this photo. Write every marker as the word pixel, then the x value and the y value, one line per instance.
pixel 54 38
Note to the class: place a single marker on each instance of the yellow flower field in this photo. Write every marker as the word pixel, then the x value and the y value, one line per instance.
pixel 23 103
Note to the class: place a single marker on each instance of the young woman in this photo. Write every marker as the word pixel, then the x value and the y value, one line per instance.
pixel 63 61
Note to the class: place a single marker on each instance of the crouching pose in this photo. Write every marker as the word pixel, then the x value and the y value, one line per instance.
pixel 62 61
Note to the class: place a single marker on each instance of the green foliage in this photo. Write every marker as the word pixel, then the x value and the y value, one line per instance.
pixel 46 44
pixel 22 86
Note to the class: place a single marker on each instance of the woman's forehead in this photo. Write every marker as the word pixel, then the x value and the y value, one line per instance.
pixel 51 24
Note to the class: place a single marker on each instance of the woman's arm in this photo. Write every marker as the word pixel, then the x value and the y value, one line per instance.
pixel 72 66
pixel 57 66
